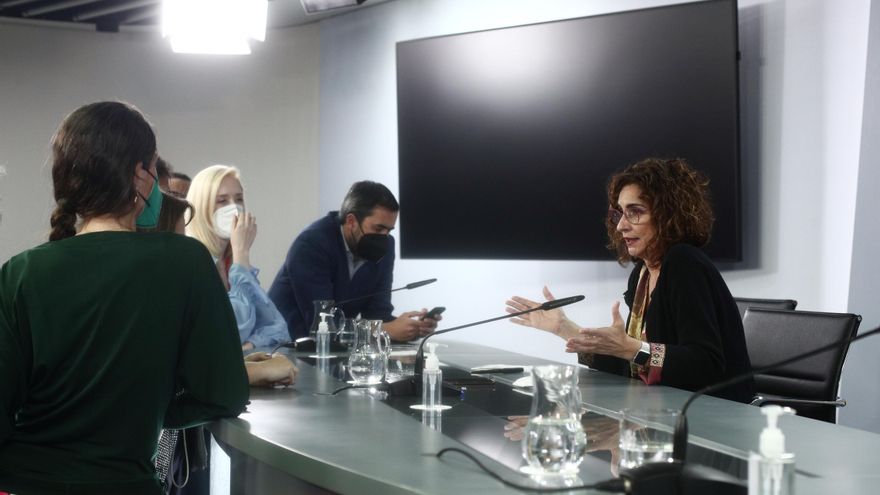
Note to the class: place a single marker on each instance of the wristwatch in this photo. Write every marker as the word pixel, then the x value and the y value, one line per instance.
pixel 641 358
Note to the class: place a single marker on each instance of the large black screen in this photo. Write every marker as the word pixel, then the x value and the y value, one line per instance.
pixel 507 137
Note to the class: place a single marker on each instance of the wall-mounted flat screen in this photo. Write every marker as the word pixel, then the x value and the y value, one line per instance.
pixel 507 137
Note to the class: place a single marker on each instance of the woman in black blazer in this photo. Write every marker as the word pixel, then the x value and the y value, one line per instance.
pixel 684 328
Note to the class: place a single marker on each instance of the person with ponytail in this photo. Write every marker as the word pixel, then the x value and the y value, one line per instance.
pixel 108 334
pixel 221 223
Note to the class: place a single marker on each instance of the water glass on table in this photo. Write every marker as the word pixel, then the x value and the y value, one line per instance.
pixel 646 436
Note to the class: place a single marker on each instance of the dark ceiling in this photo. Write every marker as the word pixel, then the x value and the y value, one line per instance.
pixel 105 15
pixel 110 15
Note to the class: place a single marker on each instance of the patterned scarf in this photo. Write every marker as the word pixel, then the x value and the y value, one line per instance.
pixel 636 328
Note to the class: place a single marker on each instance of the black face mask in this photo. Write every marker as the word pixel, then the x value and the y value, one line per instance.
pixel 371 247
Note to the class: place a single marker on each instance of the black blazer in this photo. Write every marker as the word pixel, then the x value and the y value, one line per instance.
pixel 694 314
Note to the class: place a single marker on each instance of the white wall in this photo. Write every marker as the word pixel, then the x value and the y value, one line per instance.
pixel 803 83
pixel 258 112
pixel 803 73
pixel 862 367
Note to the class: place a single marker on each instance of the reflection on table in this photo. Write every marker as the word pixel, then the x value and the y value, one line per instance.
pixel 366 441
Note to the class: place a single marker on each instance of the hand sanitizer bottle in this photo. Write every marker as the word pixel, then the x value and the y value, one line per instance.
pixel 322 344
pixel 771 472
pixel 432 380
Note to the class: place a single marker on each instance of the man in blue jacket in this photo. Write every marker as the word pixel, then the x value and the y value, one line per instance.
pixel 344 255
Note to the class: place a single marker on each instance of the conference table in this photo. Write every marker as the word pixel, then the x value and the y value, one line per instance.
pixel 306 439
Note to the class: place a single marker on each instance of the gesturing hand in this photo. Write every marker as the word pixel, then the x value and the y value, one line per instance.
pixel 549 321
pixel 611 340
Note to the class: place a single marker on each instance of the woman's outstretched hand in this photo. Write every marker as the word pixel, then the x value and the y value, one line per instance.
pixel 553 321
pixel 610 341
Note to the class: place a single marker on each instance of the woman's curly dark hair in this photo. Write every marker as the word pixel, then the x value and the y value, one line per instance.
pixel 679 203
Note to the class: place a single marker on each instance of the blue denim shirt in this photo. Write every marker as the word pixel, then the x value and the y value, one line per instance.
pixel 259 322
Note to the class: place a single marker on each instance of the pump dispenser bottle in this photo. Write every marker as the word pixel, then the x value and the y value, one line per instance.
pixel 322 344
pixel 772 470
pixel 432 380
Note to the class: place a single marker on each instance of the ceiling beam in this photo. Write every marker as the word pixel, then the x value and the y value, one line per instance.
pixel 55 7
pixel 113 10
pixel 14 3
pixel 147 14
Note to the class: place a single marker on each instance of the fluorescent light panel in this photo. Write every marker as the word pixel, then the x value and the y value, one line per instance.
pixel 214 26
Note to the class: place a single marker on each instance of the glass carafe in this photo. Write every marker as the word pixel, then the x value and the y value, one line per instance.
pixel 554 441
pixel 369 357
pixel 345 337
pixel 335 317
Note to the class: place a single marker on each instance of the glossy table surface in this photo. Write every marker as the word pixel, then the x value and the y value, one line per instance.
pixel 361 442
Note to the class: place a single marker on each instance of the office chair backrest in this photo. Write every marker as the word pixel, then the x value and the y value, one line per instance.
pixel 744 303
pixel 773 335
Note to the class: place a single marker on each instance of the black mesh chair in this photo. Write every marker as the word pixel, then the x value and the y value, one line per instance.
pixel 809 386
pixel 744 303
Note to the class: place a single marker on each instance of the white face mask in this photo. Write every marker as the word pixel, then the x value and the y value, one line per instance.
pixel 223 218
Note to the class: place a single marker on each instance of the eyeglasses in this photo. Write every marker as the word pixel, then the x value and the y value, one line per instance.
pixel 633 215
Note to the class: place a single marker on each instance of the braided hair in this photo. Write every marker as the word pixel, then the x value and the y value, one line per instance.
pixel 94 155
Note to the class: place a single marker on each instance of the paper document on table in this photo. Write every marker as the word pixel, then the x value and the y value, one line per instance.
pixel 403 353
pixel 524 382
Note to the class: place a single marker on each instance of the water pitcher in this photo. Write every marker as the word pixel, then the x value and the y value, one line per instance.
pixel 369 357
pixel 554 440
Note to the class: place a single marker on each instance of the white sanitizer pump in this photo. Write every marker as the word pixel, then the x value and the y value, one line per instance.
pixel 432 379
pixel 322 337
pixel 772 470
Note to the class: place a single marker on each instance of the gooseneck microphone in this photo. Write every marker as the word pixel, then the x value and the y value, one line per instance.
pixel 548 305
pixel 678 477
pixel 413 285
pixel 307 343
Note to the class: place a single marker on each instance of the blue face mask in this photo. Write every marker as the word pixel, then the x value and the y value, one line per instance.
pixel 149 218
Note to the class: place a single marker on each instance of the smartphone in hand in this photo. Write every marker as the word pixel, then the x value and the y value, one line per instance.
pixel 434 313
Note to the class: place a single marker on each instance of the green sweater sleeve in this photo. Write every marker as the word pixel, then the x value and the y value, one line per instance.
pixel 12 379
pixel 211 379
pixel 11 383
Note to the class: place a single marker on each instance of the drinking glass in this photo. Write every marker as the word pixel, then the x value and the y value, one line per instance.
pixel 646 436
pixel 401 365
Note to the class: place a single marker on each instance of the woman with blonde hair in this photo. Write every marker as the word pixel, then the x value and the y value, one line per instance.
pixel 262 368
pixel 221 223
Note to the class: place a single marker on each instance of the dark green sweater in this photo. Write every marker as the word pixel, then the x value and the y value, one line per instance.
pixel 105 338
